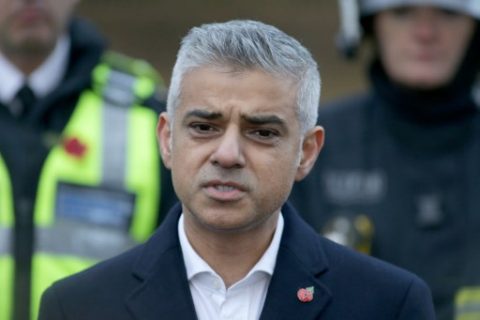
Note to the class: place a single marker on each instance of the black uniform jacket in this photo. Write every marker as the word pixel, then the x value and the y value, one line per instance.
pixel 413 169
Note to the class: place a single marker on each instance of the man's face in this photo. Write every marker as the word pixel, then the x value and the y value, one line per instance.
pixel 236 147
pixel 423 46
pixel 32 26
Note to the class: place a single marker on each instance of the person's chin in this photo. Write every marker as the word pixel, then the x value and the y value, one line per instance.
pixel 424 82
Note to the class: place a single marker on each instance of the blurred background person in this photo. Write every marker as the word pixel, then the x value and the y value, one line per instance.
pixel 153 31
pixel 399 174
pixel 79 164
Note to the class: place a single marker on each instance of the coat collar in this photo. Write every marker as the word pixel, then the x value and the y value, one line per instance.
pixel 300 262
pixel 164 290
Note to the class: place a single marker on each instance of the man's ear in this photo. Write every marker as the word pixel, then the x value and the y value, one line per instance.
pixel 312 144
pixel 164 136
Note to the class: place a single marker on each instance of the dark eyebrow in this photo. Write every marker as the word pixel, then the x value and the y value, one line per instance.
pixel 252 119
pixel 207 115
pixel 267 119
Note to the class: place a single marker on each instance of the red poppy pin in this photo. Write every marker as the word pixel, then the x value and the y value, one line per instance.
pixel 305 294
pixel 74 147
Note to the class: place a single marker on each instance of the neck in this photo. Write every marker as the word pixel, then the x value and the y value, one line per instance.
pixel 231 255
pixel 28 59
pixel 27 63
pixel 436 106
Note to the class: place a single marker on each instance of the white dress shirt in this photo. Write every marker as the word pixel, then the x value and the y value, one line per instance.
pixel 241 301
pixel 42 80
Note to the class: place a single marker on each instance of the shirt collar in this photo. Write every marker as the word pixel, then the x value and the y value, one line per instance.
pixel 11 80
pixel 195 264
pixel 43 79
pixel 49 75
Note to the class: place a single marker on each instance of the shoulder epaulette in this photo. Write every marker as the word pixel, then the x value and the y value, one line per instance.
pixel 135 67
pixel 122 80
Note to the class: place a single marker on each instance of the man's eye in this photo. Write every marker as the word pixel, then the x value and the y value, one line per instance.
pixel 264 134
pixel 450 13
pixel 402 11
pixel 202 127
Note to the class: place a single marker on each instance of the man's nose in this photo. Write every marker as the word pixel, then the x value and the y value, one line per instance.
pixel 426 26
pixel 229 151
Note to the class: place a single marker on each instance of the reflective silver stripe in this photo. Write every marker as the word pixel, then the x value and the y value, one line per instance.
pixel 82 240
pixel 119 89
pixel 468 310
pixel 118 97
pixel 5 241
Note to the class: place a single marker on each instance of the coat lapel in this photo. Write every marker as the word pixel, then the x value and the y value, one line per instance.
pixel 163 292
pixel 300 263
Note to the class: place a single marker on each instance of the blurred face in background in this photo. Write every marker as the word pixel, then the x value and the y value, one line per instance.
pixel 422 46
pixel 32 26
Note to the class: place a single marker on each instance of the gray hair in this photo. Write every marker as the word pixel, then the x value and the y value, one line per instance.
pixel 246 44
